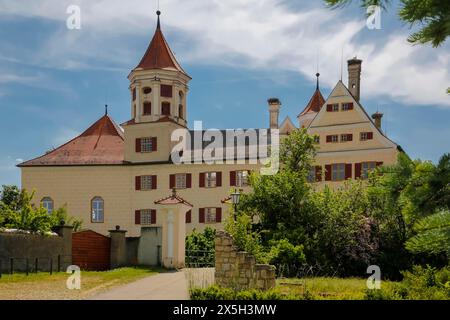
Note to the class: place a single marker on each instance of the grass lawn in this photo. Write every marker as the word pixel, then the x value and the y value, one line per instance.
pixel 327 288
pixel 43 286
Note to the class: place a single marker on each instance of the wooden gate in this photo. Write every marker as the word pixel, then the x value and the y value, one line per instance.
pixel 91 250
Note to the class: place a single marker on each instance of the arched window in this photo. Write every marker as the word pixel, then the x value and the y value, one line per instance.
pixel 147 108
pixel 180 111
pixel 165 109
pixel 180 97
pixel 47 203
pixel 97 210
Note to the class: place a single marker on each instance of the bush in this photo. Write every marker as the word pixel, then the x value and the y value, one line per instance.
pixel 201 241
pixel 286 257
pixel 219 293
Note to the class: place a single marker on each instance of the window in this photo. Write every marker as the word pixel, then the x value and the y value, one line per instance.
pixel 165 109
pixel 347 106
pixel 312 175
pixel 97 210
pixel 241 178
pixel 147 90
pixel 316 139
pixel 166 91
pixel 146 217
pixel 47 203
pixel 180 181
pixel 134 94
pixel 364 136
pixel 366 167
pixel 333 138
pixel 335 107
pixel 180 111
pixel 146 144
pixel 210 179
pixel 210 215
pixel 146 182
pixel 346 137
pixel 147 108
pixel 338 172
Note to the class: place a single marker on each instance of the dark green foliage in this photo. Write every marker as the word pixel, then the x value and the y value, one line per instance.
pixel 201 241
pixel 218 293
pixel 286 257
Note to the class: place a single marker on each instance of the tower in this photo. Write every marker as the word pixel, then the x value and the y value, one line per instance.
pixel 354 77
pixel 159 85
pixel 274 112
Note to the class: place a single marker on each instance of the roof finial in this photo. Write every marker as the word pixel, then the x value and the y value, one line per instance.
pixel 106 109
pixel 158 13
pixel 317 75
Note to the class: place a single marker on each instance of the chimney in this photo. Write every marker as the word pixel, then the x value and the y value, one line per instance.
pixel 274 112
pixel 354 77
pixel 377 118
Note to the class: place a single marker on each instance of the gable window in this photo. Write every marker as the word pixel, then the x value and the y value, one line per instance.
pixel 346 137
pixel 210 215
pixel 316 139
pixel 147 108
pixel 364 136
pixel 47 204
pixel 165 109
pixel 210 179
pixel 242 178
pixel 366 167
pixel 338 172
pixel 333 138
pixel 335 107
pixel 146 182
pixel 166 91
pixel 97 210
pixel 347 106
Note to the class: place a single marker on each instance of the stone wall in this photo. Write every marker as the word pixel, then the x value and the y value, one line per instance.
pixel 237 269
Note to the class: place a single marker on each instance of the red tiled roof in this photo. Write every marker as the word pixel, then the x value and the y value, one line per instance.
pixel 173 199
pixel 101 143
pixel 315 103
pixel 159 55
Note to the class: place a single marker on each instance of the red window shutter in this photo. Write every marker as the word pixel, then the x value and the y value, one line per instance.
pixel 138 145
pixel 318 171
pixel 329 138
pixel 357 170
pixel 379 164
pixel 328 172
pixel 137 217
pixel 329 107
pixel 350 137
pixel 233 178
pixel 348 171
pixel 201 215
pixel 154 144
pixel 201 181
pixel 218 215
pixel 153 217
pixel 154 182
pixel 138 182
pixel 218 179
pixel 350 106
pixel 171 181
pixel 166 91
pixel 188 180
pixel 369 135
pixel 189 216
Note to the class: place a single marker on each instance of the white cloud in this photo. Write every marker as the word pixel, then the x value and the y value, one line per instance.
pixel 64 135
pixel 255 34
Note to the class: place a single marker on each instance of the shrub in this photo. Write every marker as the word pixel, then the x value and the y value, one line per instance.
pixel 219 293
pixel 286 257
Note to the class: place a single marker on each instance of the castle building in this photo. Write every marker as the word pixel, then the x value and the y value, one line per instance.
pixel 114 174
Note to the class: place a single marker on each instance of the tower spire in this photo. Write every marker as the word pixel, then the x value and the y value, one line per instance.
pixel 158 13
pixel 106 109
pixel 317 85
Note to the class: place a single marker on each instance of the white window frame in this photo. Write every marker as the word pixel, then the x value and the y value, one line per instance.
pixel 317 139
pixel 210 215
pixel 146 217
pixel 346 107
pixel 98 210
pixel 210 179
pixel 335 107
pixel 48 204
pixel 334 138
pixel 147 144
pixel 146 182
pixel 312 175
pixel 180 180
pixel 364 136
pixel 366 168
pixel 344 137
pixel 241 178
pixel 338 172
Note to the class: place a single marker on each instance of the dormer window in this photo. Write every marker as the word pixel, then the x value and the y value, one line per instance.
pixel 147 90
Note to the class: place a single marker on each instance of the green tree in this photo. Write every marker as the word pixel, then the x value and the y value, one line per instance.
pixel 433 17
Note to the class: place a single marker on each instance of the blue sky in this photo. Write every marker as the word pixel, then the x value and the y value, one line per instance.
pixel 54 82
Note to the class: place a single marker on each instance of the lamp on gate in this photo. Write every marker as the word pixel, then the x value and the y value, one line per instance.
pixel 235 197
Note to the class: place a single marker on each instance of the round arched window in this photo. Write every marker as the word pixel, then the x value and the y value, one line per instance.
pixel 97 210
pixel 47 203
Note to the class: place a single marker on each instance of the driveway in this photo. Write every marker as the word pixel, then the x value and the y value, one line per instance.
pixel 163 286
